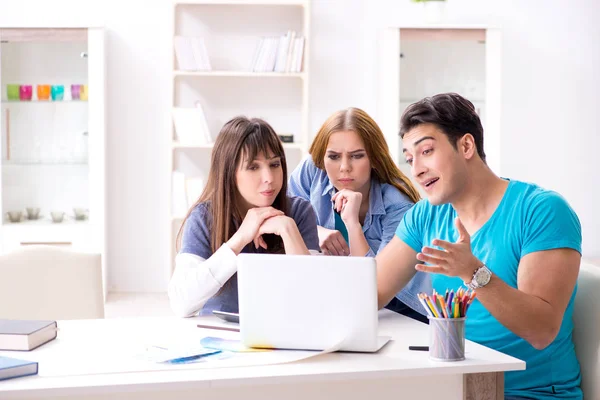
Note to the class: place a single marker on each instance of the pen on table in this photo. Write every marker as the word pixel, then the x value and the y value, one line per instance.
pixel 419 348
pixel 220 328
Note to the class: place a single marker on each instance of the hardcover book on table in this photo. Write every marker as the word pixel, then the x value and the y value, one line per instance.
pixel 25 334
pixel 14 368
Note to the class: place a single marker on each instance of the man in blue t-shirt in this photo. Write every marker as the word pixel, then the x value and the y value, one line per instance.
pixel 517 245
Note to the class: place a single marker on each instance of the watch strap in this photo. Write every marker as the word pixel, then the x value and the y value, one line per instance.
pixel 474 284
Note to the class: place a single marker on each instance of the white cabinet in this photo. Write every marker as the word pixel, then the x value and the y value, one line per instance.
pixel 232 32
pixel 52 142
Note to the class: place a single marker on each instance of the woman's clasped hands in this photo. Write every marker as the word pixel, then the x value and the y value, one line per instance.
pixel 259 221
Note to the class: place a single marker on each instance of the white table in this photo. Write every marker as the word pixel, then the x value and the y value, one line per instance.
pixel 393 373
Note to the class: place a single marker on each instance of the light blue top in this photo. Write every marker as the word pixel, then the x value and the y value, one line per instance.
pixel 527 220
pixel 387 205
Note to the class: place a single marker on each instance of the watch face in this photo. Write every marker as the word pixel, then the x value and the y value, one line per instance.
pixel 483 275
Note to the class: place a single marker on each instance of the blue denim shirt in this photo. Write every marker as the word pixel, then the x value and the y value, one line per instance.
pixel 387 206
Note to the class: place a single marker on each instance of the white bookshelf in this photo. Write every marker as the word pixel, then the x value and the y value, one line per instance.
pixel 231 31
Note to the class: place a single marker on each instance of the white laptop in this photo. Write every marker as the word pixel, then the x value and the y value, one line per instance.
pixel 308 302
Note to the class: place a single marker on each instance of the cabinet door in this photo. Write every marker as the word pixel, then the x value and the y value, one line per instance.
pixel 44 127
pixel 52 141
pixel 97 143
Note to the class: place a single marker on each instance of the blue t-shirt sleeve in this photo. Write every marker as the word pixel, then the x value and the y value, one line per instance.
pixel 301 179
pixel 550 223
pixel 306 220
pixel 410 229
pixel 196 236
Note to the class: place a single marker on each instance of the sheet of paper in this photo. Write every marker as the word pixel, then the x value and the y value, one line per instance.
pixel 138 359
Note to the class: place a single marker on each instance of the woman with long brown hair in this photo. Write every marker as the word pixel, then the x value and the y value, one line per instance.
pixel 358 193
pixel 244 208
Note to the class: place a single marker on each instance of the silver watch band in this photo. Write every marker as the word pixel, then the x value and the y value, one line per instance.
pixel 471 285
pixel 474 284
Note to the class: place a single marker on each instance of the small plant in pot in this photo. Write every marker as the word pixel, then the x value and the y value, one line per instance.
pixel 434 9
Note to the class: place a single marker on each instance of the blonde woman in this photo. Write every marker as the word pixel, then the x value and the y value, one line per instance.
pixel 358 193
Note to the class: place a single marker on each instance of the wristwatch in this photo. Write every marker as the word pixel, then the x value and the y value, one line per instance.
pixel 481 277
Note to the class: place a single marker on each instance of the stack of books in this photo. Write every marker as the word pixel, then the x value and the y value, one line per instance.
pixel 23 335
pixel 191 54
pixel 279 54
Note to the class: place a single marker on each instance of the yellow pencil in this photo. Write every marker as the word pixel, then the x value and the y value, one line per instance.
pixel 432 307
pixel 455 308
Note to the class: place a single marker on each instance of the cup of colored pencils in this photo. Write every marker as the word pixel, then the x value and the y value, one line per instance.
pixel 447 315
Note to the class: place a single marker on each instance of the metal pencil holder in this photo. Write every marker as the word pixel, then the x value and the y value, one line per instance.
pixel 447 339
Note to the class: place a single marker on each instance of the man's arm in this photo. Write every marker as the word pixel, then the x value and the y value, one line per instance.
pixel 395 268
pixel 535 311
pixel 545 281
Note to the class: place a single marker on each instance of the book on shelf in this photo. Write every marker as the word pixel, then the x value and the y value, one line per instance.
pixel 186 191
pixel 25 334
pixel 279 54
pixel 284 49
pixel 288 52
pixel 298 55
pixel 193 189
pixel 191 53
pixel 191 127
pixel 14 368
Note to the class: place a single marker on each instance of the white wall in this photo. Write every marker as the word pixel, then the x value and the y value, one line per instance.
pixel 550 120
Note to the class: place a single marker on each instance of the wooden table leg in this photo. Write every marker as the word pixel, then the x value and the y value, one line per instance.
pixel 488 386
pixel 7 134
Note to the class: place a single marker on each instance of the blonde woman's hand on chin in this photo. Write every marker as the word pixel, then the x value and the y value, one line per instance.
pixel 249 228
pixel 347 203
pixel 332 242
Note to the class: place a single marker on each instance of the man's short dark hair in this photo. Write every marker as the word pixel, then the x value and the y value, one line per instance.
pixel 454 115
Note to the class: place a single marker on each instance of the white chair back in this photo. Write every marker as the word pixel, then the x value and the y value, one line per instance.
pixel 586 331
pixel 47 282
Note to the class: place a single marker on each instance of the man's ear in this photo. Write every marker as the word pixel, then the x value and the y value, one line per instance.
pixel 467 146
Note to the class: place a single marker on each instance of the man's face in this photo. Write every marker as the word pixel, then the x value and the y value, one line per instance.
pixel 435 164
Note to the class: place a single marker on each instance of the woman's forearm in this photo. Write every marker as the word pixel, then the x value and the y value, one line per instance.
pixel 196 280
pixel 292 240
pixel 358 243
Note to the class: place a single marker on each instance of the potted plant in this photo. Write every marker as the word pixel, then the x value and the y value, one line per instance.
pixel 434 9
